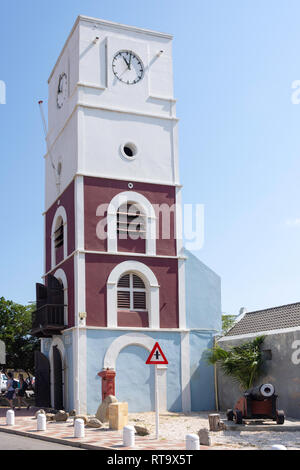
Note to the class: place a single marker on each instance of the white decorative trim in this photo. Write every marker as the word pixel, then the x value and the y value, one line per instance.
pixel 129 339
pixel 57 341
pixel 61 275
pixel 91 85
pixel 144 341
pixel 185 372
pixel 79 338
pixel 83 370
pixel 61 212
pixel 115 203
pixel 81 172
pixel 79 213
pixel 152 287
pixel 132 112
pixel 181 293
pixel 163 98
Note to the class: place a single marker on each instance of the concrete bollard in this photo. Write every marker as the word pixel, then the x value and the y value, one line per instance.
pixel 277 447
pixel 192 442
pixel 128 436
pixel 41 422
pixel 79 428
pixel 10 418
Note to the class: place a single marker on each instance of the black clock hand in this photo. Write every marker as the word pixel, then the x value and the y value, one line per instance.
pixel 126 61
pixel 130 61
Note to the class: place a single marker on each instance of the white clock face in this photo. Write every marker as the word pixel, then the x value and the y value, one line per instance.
pixel 127 67
pixel 62 89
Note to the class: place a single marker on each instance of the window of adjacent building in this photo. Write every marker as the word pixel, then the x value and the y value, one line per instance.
pixel 131 293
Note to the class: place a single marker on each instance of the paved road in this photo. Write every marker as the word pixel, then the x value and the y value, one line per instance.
pixel 13 442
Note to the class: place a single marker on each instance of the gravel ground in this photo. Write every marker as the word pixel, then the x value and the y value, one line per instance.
pixel 174 426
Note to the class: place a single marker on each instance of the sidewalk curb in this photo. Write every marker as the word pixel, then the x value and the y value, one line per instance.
pixel 54 439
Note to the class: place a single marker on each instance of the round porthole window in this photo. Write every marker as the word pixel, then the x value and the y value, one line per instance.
pixel 129 150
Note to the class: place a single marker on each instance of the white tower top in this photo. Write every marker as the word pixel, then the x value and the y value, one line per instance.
pixel 111 111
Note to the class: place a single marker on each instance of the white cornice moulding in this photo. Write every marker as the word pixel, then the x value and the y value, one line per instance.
pixel 110 177
pixel 127 111
pixel 91 85
pixel 163 98
pixel 125 328
pixel 134 29
pixel 119 253
pixel 99 87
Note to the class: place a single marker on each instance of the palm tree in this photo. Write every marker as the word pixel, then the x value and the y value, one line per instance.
pixel 242 363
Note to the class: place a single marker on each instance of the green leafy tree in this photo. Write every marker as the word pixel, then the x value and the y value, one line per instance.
pixel 243 363
pixel 15 325
pixel 227 323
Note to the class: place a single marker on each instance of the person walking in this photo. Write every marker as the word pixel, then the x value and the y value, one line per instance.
pixel 21 392
pixel 10 391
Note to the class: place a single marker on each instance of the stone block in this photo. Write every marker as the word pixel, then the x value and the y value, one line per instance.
pixel 102 412
pixel 118 415
pixel 204 437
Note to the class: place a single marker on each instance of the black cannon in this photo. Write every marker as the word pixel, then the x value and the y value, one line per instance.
pixel 257 403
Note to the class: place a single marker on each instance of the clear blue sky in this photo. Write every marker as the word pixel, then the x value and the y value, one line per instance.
pixel 234 64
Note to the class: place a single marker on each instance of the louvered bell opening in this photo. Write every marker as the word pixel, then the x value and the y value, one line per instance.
pixel 130 219
pixel 139 300
pixel 59 236
pixel 138 282
pixel 123 300
pixel 124 281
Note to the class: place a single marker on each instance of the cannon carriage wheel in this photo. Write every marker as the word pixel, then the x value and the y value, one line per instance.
pixel 237 416
pixel 229 415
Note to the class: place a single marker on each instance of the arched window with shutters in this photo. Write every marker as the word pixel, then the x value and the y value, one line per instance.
pixel 132 301
pixel 131 293
pixel 132 296
pixel 59 239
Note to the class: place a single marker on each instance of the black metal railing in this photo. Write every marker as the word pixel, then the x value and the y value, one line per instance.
pixel 48 317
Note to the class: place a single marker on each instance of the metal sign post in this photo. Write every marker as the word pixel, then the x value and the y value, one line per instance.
pixel 156 357
pixel 156 403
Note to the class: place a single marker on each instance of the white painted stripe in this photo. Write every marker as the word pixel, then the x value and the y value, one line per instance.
pixel 83 370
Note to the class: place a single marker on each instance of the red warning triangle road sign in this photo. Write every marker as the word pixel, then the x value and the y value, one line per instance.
pixel 157 356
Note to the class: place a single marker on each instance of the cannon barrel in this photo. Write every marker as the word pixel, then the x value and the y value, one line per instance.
pixel 261 392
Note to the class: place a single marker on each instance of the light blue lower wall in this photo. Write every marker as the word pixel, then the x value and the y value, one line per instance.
pixel 202 374
pixel 134 379
pixel 133 374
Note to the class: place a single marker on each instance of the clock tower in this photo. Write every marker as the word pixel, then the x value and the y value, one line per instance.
pixel 115 270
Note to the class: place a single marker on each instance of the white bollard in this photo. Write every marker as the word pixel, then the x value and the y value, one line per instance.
pixel 79 428
pixel 192 442
pixel 10 418
pixel 128 436
pixel 41 422
pixel 278 447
